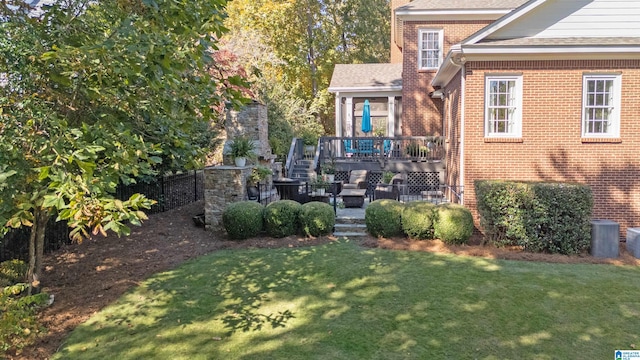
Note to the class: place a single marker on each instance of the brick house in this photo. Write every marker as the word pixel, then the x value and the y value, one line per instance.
pixel 524 90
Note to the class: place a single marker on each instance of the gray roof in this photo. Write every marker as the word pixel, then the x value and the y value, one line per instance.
pixel 346 76
pixel 461 5
pixel 569 41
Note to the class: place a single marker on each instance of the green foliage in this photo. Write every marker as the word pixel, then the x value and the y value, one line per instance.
pixel 418 218
pixel 281 218
pixel 12 271
pixel 549 217
pixel 242 146
pixel 18 323
pixel 259 173
pixel 454 224
pixel 99 94
pixel 387 176
pixel 317 219
pixel 294 44
pixel 384 218
pixel 243 219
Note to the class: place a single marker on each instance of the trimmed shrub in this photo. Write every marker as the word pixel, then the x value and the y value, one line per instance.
pixel 540 217
pixel 281 218
pixel 384 218
pixel 454 224
pixel 317 218
pixel 418 219
pixel 243 219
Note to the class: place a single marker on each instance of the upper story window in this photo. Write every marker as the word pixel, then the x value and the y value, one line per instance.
pixel 429 49
pixel 503 102
pixel 601 105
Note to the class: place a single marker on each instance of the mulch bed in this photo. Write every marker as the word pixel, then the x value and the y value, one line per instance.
pixel 87 277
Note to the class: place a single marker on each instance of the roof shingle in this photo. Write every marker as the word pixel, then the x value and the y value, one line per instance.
pixel 366 76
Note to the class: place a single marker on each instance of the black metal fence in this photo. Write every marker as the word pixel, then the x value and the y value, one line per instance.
pixel 169 191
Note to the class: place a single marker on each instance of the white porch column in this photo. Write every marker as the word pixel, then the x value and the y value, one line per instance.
pixel 338 114
pixel 349 112
pixel 391 123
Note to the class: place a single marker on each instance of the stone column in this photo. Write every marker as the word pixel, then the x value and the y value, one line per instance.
pixel 223 185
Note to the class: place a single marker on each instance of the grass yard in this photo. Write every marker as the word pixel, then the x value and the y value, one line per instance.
pixel 342 301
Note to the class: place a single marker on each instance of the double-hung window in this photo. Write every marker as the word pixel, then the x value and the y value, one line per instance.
pixel 503 102
pixel 430 49
pixel 601 105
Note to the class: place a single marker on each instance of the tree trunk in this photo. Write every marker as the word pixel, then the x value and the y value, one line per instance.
pixel 36 250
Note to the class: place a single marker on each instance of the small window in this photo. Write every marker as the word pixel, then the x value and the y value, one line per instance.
pixel 503 99
pixel 429 49
pixel 601 106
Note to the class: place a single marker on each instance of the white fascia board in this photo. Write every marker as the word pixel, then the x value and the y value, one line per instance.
pixel 365 89
pixel 551 53
pixel 368 94
pixel 505 20
pixel 435 15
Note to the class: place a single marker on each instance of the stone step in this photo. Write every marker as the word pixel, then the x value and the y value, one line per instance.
pixel 348 234
pixel 354 228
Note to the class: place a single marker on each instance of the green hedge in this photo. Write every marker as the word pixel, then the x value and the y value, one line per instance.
pixel 281 218
pixel 454 224
pixel 317 218
pixel 384 218
pixel 540 217
pixel 243 219
pixel 418 218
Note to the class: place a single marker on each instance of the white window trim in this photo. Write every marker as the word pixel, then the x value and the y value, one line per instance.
pixel 440 45
pixel 614 128
pixel 517 115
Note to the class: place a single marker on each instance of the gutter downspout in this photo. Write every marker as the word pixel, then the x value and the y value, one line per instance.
pixel 462 106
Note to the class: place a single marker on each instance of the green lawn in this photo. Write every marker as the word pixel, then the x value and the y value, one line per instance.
pixel 341 301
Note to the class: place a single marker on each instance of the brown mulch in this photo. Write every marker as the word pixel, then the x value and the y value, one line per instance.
pixel 85 278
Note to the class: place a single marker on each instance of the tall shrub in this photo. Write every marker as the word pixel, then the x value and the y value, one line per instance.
pixel 540 217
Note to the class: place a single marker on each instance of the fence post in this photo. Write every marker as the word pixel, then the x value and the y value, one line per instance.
pixel 195 185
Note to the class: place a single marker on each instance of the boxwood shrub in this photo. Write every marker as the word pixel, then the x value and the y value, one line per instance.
pixel 454 224
pixel 539 216
pixel 281 218
pixel 317 218
pixel 418 219
pixel 384 218
pixel 243 219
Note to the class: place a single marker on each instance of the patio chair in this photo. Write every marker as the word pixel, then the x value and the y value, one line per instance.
pixel 347 147
pixel 366 147
pixel 357 180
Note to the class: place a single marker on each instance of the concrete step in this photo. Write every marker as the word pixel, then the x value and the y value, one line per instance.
pixel 359 228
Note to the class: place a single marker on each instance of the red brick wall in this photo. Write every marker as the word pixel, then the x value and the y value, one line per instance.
pixel 422 115
pixel 551 147
pixel 396 51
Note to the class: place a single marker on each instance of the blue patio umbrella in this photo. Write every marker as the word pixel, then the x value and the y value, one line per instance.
pixel 366 117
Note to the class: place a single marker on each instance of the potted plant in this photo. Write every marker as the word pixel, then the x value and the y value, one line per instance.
pixel 329 170
pixel 258 174
pixel 319 185
pixel 241 149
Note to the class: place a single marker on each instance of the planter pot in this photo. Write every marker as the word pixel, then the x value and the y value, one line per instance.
pixel 320 191
pixel 252 192
pixel 240 161
pixel 330 177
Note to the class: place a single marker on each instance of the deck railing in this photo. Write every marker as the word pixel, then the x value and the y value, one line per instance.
pixel 404 148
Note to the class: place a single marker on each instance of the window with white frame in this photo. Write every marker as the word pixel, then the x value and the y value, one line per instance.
pixel 503 99
pixel 601 105
pixel 430 49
